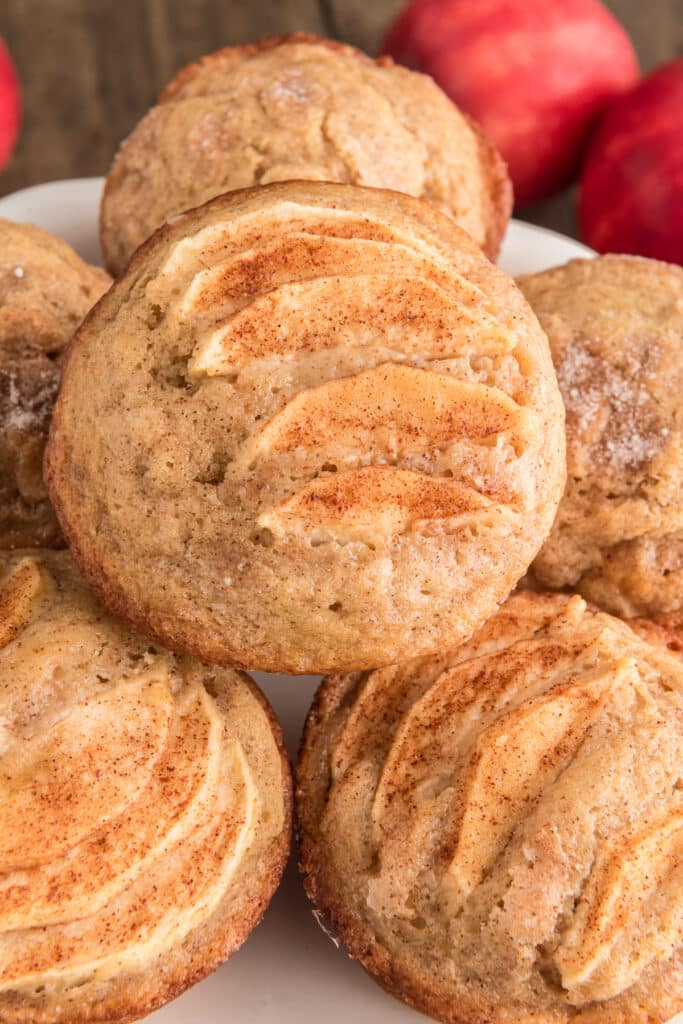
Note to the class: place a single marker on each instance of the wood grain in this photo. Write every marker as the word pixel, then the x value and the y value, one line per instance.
pixel 91 68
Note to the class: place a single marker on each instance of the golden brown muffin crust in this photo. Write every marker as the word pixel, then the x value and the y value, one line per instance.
pixel 296 107
pixel 615 326
pixel 496 833
pixel 165 807
pixel 330 427
pixel 205 75
pixel 45 291
pixel 672 622
pixel 665 629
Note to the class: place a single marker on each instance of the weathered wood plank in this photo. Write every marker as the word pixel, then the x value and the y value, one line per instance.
pixel 361 22
pixel 653 27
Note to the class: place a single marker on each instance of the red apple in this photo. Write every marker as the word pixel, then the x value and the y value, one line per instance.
pixel 535 73
pixel 10 105
pixel 631 197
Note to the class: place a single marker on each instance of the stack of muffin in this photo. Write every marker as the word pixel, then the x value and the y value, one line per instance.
pixel 310 428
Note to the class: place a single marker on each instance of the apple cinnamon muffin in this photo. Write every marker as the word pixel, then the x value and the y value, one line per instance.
pixel 144 810
pixel 615 326
pixel 311 428
pixel 300 107
pixel 45 291
pixel 496 832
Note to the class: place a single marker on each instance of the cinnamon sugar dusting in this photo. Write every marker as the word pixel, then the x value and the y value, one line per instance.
pixel 26 404
pixel 610 407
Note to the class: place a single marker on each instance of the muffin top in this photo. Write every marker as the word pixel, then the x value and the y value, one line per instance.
pixel 45 291
pixel 299 107
pixel 497 832
pixel 615 326
pixel 144 811
pixel 311 428
pixel 665 629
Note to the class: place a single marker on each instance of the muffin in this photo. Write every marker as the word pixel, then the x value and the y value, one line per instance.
pixel 673 623
pixel 496 832
pixel 312 428
pixel 145 811
pixel 300 107
pixel 45 291
pixel 615 326
pixel 666 632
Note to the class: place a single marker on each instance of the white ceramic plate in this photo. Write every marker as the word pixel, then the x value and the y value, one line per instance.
pixel 288 971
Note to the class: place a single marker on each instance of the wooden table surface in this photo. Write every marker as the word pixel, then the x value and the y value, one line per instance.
pixel 91 68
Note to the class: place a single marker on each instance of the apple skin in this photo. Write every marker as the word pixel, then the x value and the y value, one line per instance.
pixel 631 196
pixel 10 105
pixel 536 74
